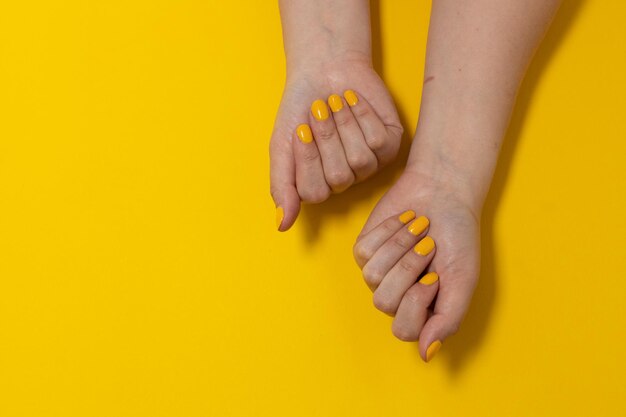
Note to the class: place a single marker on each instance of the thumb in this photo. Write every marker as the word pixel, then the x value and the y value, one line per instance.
pixel 283 183
pixel 452 303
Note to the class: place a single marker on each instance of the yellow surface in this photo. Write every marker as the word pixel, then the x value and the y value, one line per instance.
pixel 141 273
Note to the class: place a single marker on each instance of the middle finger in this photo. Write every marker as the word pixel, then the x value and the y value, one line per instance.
pixel 337 172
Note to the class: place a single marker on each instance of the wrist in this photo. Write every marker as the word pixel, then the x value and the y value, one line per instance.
pixel 327 62
pixel 452 172
pixel 321 33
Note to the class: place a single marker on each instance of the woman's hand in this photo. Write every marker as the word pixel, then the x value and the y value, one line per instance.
pixel 336 126
pixel 419 252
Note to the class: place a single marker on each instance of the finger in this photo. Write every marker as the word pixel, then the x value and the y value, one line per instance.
pixel 283 183
pixel 413 309
pixel 310 182
pixel 383 140
pixel 392 250
pixel 367 244
pixel 360 157
pixel 337 172
pixel 452 302
pixel 403 275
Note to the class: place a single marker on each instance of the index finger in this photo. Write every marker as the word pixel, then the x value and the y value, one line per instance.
pixel 367 244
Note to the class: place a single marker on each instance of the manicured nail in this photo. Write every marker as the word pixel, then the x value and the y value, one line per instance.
pixel 419 225
pixel 432 349
pixel 429 278
pixel 425 246
pixel 280 213
pixel 319 110
pixel 335 103
pixel 304 133
pixel 407 216
pixel 351 97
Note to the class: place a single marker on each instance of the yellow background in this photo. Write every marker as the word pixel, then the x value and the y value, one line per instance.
pixel 141 275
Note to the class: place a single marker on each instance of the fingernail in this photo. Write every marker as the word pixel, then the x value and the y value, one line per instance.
pixel 304 133
pixel 419 225
pixel 351 97
pixel 407 216
pixel 429 278
pixel 425 246
pixel 280 213
pixel 319 110
pixel 335 103
pixel 432 349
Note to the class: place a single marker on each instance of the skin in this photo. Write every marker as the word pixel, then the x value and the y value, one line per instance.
pixel 329 54
pixel 477 55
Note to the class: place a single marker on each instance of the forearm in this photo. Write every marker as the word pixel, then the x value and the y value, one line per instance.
pixel 477 54
pixel 319 32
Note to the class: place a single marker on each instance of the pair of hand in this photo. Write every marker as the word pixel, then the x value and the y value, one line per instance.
pixel 419 249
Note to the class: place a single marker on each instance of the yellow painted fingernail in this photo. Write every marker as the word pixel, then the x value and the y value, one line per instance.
pixel 304 133
pixel 419 225
pixel 319 110
pixel 280 213
pixel 335 103
pixel 407 216
pixel 429 278
pixel 425 246
pixel 432 349
pixel 351 97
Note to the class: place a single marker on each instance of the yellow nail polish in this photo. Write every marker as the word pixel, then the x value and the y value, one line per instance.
pixel 419 225
pixel 351 97
pixel 407 216
pixel 319 110
pixel 429 278
pixel 425 246
pixel 280 213
pixel 432 349
pixel 335 103
pixel 304 133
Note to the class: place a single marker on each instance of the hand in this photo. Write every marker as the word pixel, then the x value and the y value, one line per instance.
pixel 429 293
pixel 322 142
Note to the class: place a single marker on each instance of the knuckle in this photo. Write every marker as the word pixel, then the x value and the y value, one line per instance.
pixel 311 156
pixel 407 266
pixel 400 242
pixel 314 195
pixel 372 276
pixel 388 227
pixel 383 303
pixel 377 143
pixel 324 134
pixel 361 252
pixel 341 121
pixel 339 178
pixel 412 295
pixel 361 162
pixel 404 333
pixel 361 111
